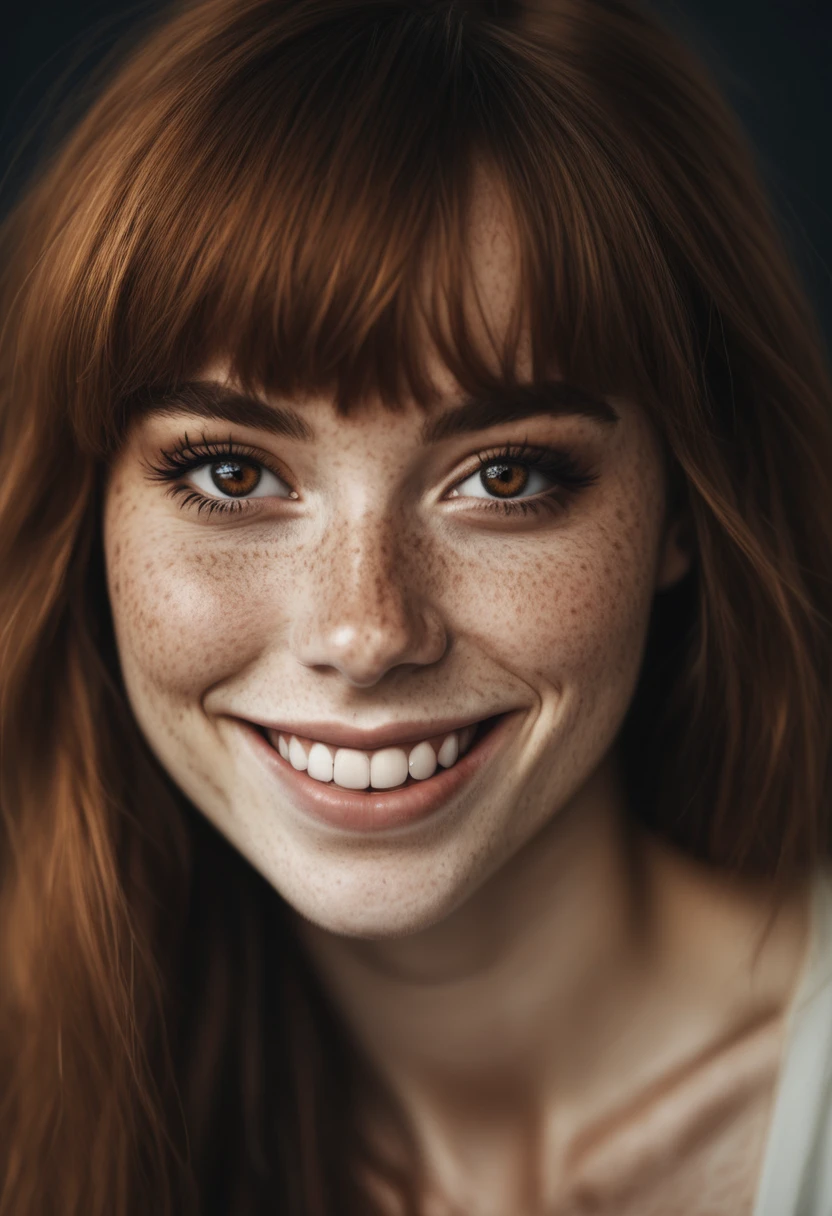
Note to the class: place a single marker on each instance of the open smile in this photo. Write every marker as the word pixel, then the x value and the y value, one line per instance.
pixel 380 768
pixel 421 778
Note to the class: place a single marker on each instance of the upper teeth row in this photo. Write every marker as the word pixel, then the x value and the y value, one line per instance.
pixel 381 770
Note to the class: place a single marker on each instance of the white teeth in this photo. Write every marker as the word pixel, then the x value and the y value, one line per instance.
pixel 321 760
pixel 388 768
pixel 351 769
pixel 448 752
pixel 382 770
pixel 297 754
pixel 422 762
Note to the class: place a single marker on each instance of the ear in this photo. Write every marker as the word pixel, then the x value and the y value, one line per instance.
pixel 676 552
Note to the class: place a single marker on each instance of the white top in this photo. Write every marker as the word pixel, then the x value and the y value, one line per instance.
pixel 796 1178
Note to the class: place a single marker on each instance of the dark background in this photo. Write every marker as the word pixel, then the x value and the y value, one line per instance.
pixel 772 58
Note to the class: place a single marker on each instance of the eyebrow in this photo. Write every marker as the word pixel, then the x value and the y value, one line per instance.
pixel 555 398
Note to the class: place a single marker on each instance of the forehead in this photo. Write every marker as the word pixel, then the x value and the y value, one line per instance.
pixel 491 291
pixel 495 258
pixel 479 305
pixel 490 287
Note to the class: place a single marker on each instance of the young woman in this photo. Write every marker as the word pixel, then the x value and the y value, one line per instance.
pixel 416 548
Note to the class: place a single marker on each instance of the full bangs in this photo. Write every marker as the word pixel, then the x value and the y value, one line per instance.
pixel 302 212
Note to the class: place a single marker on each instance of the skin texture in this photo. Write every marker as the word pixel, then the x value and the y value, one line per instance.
pixel 558 1005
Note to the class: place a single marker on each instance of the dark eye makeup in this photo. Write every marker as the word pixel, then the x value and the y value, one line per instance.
pixel 568 473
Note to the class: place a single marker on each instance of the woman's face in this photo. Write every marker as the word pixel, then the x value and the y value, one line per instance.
pixel 379 587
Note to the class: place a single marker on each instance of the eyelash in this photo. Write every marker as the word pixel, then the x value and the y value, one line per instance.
pixel 565 469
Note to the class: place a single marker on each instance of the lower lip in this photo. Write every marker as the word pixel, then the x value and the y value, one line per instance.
pixel 376 810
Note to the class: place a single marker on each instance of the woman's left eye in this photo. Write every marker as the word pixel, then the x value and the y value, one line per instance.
pixel 523 478
pixel 502 479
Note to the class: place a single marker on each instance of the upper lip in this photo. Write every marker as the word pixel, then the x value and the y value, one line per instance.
pixel 392 734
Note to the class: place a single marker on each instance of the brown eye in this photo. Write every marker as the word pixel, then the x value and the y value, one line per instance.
pixel 217 478
pixel 234 477
pixel 504 480
pixel 525 478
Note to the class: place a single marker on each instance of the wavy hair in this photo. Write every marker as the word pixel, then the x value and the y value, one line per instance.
pixel 277 181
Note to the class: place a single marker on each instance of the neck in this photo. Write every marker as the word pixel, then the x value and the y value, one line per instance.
pixel 594 958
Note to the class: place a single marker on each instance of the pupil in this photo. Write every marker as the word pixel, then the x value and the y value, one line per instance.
pixel 232 475
pixel 511 478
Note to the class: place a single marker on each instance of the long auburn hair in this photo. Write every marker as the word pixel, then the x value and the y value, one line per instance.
pixel 271 180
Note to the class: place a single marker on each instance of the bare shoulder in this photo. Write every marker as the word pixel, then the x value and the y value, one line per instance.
pixel 692 1145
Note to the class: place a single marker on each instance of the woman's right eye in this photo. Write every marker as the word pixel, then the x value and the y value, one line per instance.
pixel 239 479
pixel 217 478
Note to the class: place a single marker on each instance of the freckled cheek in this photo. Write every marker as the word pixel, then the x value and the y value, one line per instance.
pixel 563 613
pixel 185 617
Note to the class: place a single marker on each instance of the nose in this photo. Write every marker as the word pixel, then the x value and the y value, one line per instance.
pixel 367 606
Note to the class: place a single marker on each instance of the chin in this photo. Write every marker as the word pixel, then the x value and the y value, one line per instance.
pixel 367 899
pixel 373 924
